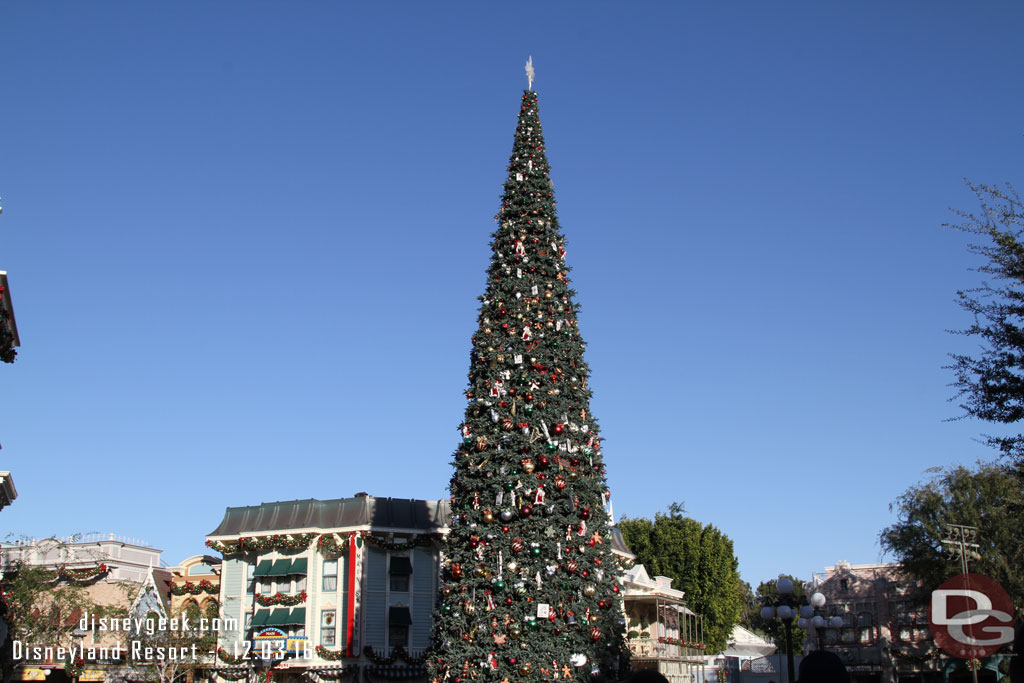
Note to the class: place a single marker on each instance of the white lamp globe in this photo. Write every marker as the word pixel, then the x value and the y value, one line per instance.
pixel 806 611
pixel 818 600
pixel 818 621
pixel 784 585
pixel 835 622
pixel 801 623
pixel 785 612
pixel 767 613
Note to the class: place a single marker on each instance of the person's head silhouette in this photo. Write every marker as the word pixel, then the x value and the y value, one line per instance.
pixel 646 676
pixel 822 667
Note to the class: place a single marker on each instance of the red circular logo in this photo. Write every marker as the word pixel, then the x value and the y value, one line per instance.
pixel 971 616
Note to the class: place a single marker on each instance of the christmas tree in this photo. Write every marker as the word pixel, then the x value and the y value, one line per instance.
pixel 529 588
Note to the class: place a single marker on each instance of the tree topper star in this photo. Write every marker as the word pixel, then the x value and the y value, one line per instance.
pixel 530 72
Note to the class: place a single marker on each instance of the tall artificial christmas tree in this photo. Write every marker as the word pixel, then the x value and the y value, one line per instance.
pixel 529 588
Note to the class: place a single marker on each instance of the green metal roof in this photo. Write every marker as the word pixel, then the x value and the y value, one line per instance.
pixel 425 516
pixel 279 617
pixel 281 567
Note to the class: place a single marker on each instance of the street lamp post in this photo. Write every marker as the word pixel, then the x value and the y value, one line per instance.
pixel 785 612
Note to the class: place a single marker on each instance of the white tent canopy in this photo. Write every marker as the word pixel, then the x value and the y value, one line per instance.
pixel 743 643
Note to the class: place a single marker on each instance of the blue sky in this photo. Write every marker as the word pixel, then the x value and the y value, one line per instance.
pixel 245 242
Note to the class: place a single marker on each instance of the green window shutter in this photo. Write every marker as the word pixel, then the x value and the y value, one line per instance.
pixel 299 565
pixel 297 617
pixel 263 569
pixel 260 618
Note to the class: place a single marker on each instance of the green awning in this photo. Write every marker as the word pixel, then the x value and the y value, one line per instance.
pixel 299 565
pixel 399 616
pixel 263 569
pixel 260 618
pixel 281 568
pixel 297 617
pixel 279 618
pixel 400 565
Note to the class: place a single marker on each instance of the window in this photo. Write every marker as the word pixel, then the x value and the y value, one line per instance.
pixel 399 571
pixel 327 628
pixel 267 586
pixel 867 635
pixel 300 584
pixel 284 584
pixel 864 619
pixel 248 620
pixel 250 579
pixel 849 635
pixel 844 584
pixel 330 575
pixel 831 636
pixel 906 633
pixel 399 621
pixel 398 635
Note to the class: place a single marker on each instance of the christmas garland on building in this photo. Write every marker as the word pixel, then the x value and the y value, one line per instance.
pixel 80 575
pixel 682 643
pixel 203 586
pixel 232 674
pixel 275 542
pixel 332 674
pixel 228 658
pixel 930 654
pixel 397 653
pixel 330 655
pixel 329 545
pixel 281 599
pixel 74 668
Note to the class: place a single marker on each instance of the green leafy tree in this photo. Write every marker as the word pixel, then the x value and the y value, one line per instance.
pixel 529 581
pixel 700 560
pixel 988 497
pixel 991 381
pixel 182 649
pixel 767 593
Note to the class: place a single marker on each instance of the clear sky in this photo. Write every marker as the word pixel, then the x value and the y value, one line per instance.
pixel 245 241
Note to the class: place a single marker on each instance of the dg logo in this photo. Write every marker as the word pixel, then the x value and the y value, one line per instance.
pixel 971 616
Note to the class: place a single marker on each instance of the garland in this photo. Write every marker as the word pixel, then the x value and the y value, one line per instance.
pixel 329 545
pixel 74 668
pixel 81 575
pixel 204 586
pixel 396 654
pixel 228 658
pixel 974 665
pixel 281 599
pixel 682 643
pixel 275 542
pixel 232 675
pixel 334 674
pixel 330 655
pixel 932 653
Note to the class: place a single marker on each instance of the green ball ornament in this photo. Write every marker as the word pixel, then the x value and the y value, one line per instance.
pixel 521 591
pixel 535 551
pixel 499 585
pixel 532 625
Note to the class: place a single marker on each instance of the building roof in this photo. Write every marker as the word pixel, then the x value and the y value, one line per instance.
pixel 397 514
pixel 8 307
pixel 619 544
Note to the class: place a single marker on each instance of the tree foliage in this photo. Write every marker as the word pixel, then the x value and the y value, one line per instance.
pixel 990 382
pixel 767 593
pixel 529 583
pixel 700 560
pixel 988 497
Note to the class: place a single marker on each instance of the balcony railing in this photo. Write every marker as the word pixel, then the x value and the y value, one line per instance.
pixel 651 648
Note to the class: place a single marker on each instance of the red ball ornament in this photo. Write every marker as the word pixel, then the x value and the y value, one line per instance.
pixel 517 545
pixel 525 510
pixel 505 529
pixel 585 573
pixel 509 601
pixel 615 588
pixel 558 428
pixel 595 633
pixel 529 397
pixel 585 513
pixel 571 566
